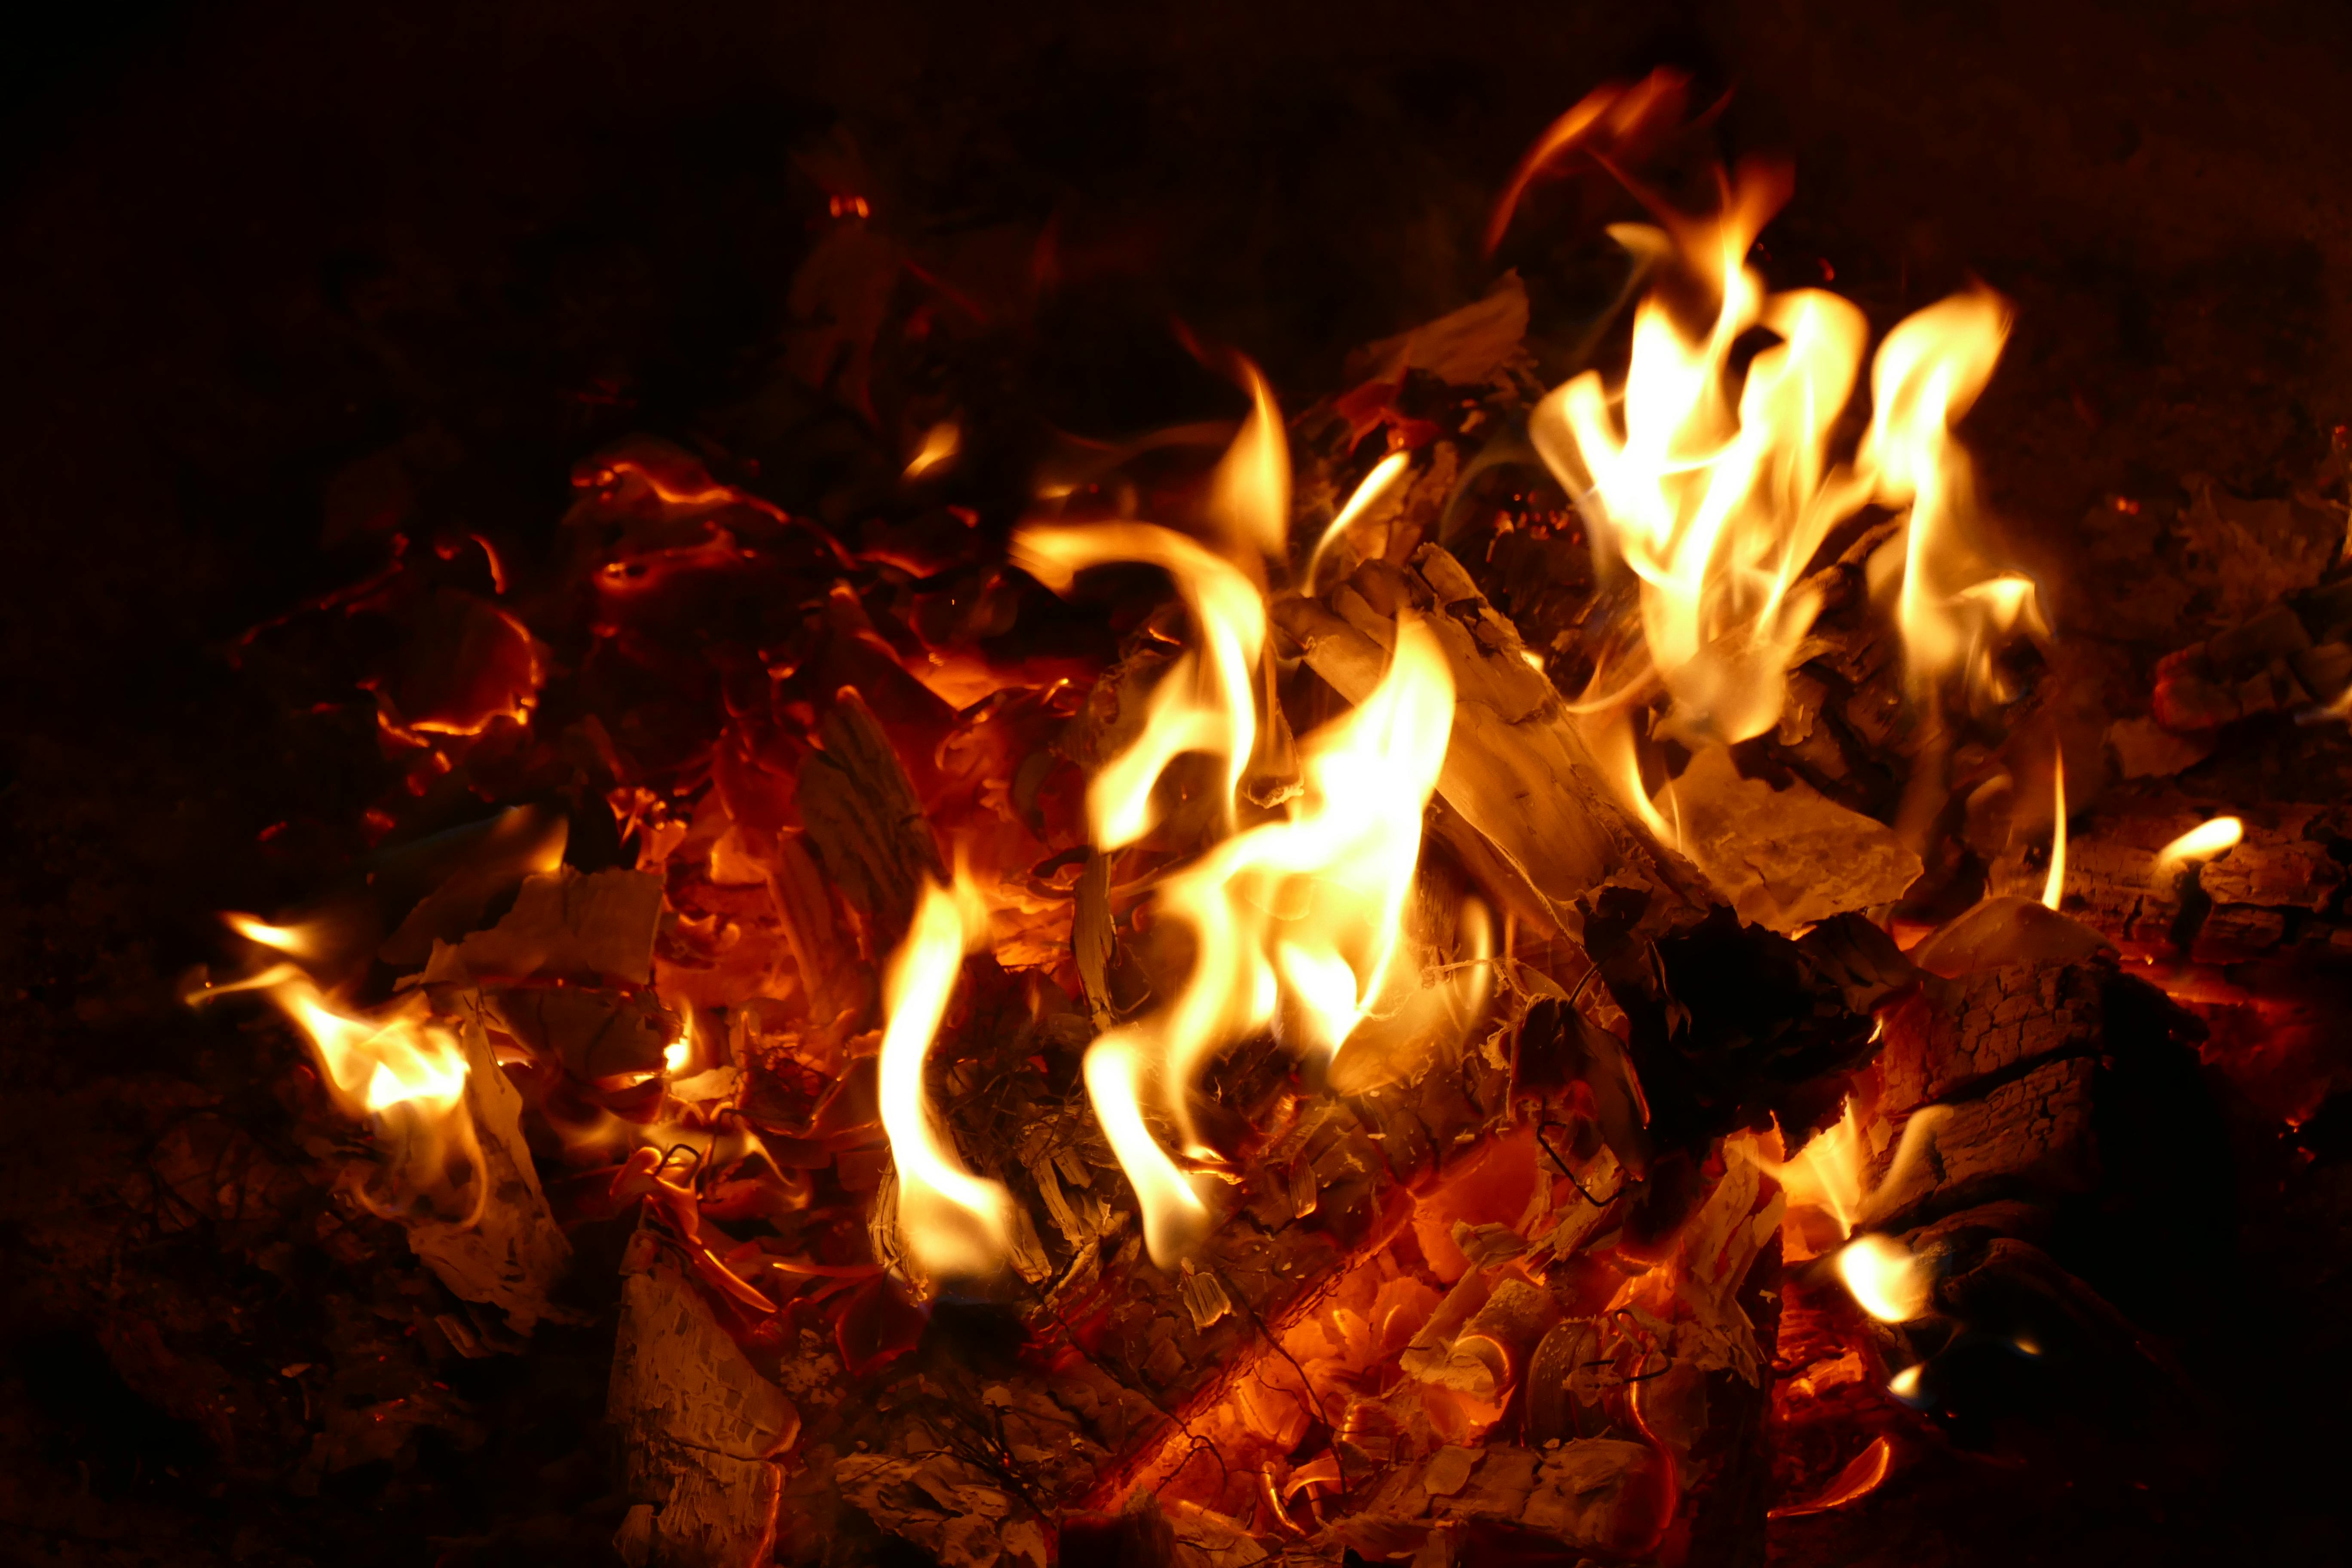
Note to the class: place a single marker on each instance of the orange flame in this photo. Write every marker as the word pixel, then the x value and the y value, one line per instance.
pixel 396 1069
pixel 295 941
pixel 1206 702
pixel 1831 1176
pixel 1250 492
pixel 2201 843
pixel 1885 1279
pixel 1375 485
pixel 2053 888
pixel 952 1222
pixel 942 443
pixel 1305 910
pixel 1294 922
pixel 375 1063
pixel 1718 508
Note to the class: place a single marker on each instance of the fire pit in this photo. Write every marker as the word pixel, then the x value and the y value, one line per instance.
pixel 1558 938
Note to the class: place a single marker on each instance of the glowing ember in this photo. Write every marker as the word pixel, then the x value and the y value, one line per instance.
pixel 952 1222
pixel 1861 1477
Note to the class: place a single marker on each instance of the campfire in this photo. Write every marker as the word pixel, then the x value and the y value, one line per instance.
pixel 1525 958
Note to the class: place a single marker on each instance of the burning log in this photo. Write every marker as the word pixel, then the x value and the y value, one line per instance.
pixel 1138 1351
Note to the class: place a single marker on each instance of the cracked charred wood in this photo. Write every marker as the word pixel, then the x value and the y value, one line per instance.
pixel 2036 1083
pixel 2281 886
pixel 2296 652
pixel 1517 771
pixel 699 1425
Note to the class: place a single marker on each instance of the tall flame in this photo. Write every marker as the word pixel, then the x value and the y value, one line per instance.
pixel 2054 888
pixel 1312 905
pixel 952 1223
pixel 1206 702
pixel 1294 921
pixel 1719 509
pixel 1250 492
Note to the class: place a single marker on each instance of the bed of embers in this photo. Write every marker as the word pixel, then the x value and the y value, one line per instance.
pixel 1535 961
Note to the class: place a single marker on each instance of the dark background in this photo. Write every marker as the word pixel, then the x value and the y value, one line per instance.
pixel 244 247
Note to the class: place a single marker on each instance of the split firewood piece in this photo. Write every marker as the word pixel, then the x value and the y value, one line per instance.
pixel 510 1253
pixel 2003 930
pixel 469 868
pixel 1481 1334
pixel 1517 771
pixel 2280 884
pixel 1786 859
pixel 949 1507
pixel 835 982
pixel 593 934
pixel 595 1034
pixel 866 824
pixel 701 1429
